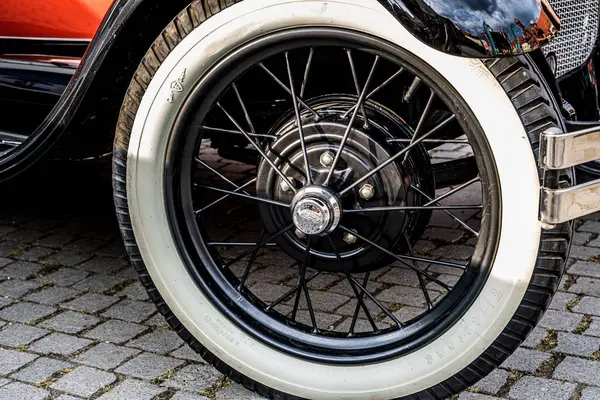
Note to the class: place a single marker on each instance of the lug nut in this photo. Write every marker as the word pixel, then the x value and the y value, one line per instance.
pixel 285 186
pixel 366 191
pixel 327 159
pixel 300 234
pixel 349 238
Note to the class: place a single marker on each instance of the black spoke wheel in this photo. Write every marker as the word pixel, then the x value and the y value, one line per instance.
pixel 360 205
pixel 325 208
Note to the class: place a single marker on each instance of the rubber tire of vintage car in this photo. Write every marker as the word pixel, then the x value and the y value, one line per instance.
pixel 529 261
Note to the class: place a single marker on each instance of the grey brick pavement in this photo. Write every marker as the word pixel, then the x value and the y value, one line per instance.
pixel 74 322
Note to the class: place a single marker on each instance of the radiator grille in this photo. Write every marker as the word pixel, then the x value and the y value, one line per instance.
pixel 579 27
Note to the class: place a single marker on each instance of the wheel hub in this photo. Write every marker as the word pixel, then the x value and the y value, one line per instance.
pixel 316 211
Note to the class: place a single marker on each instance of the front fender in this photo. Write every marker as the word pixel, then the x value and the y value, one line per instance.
pixel 478 28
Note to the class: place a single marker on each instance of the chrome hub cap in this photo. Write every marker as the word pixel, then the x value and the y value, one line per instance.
pixel 316 211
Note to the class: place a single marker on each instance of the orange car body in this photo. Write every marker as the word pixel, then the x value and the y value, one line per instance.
pixel 55 19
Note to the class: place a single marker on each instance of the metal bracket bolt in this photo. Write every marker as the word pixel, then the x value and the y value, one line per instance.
pixel 285 186
pixel 366 191
pixel 349 238
pixel 327 159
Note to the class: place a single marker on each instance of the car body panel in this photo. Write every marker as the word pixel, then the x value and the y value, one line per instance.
pixel 57 19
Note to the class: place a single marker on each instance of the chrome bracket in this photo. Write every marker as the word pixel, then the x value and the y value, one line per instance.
pixel 560 150
pixel 562 205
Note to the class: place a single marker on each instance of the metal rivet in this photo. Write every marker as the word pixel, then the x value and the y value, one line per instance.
pixel 285 186
pixel 300 234
pixel 349 238
pixel 327 159
pixel 366 191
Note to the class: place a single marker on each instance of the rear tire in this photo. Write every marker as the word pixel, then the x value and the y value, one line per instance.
pixel 523 277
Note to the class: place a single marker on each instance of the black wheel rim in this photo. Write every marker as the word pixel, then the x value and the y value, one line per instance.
pixel 189 201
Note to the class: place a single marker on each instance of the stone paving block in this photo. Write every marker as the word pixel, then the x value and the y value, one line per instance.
pixel 58 343
pixel 405 295
pixel 13 360
pixel 5 261
pixel 40 370
pixel 70 322
pixel 135 291
pixel 67 397
pixel 493 382
pixel 26 312
pixel 4 301
pixel 322 301
pixel 582 238
pixel 67 258
pixel 594 328
pixel 584 253
pixel 590 393
pixel 8 249
pixel 588 305
pixel 454 252
pixel 525 360
pixel 586 286
pixel 190 396
pixel 128 273
pixel 65 277
pixel 585 268
pixel 529 387
pixel 16 335
pixel 91 302
pixel 85 245
pixel 55 240
pixel 42 225
pixel 34 254
pixel 578 370
pixel 194 378
pixel 99 283
pixel 399 276
pixel 115 250
pixel 590 226
pixel 578 345
pixel 324 320
pixel 148 366
pixel 130 310
pixel 106 356
pixel 52 295
pixel 24 235
pixel 6 229
pixel 560 301
pixel 237 392
pixel 17 390
pixel 560 320
pixel 159 341
pixel 132 389
pixel 157 320
pixel 187 353
pixel 268 291
pixel 15 288
pixel 4 382
pixel 115 331
pixel 362 325
pixel 102 265
pixel 21 270
pixel 84 381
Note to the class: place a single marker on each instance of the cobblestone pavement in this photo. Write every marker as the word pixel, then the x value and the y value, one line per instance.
pixel 75 322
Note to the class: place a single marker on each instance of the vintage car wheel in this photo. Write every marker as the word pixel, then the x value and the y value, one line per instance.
pixel 331 109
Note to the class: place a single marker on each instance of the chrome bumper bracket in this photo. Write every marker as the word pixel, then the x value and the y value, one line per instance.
pixel 560 150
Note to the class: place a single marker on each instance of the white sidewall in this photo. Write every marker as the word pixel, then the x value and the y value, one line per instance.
pixel 421 369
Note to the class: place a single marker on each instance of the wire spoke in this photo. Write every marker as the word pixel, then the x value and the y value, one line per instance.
pixel 357 86
pixel 304 287
pixel 239 97
pixel 401 258
pixel 414 208
pixel 237 244
pixel 291 291
pixel 453 191
pixel 298 120
pixel 250 262
pixel 257 147
pixel 351 122
pixel 259 199
pixel 431 141
pixel 259 245
pixel 451 215
pixel 306 72
pixel 374 91
pixel 198 212
pixel 220 175
pixel 397 155
pixel 374 300
pixel 421 280
pixel 231 131
pixel 359 295
pixel 284 87
pixel 421 122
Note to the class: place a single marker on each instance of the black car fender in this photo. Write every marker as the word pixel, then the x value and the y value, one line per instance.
pixel 85 116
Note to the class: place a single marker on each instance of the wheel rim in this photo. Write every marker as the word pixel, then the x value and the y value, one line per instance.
pixel 264 319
